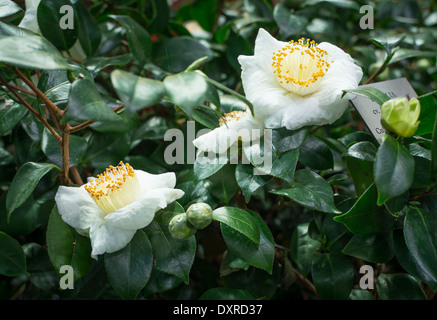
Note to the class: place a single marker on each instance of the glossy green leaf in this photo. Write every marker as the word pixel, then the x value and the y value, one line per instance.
pixel 176 54
pixel 10 116
pixel 315 154
pixel 12 259
pixel 363 150
pixel 171 255
pixel 366 217
pixel 285 140
pixel 89 32
pixel 206 116
pixel 222 184
pixel 67 247
pixel 9 29
pixel 399 287
pixel 289 23
pixel 393 169
pixel 420 232
pixel 408 261
pixel 428 113
pixel 207 165
pixel 55 24
pixel 96 64
pixel 361 173
pixel 283 165
pixel 39 267
pixel 311 191
pixel 24 182
pixel 376 248
pixel 138 38
pixel 248 181
pixel 129 268
pixel 388 43
pixel 186 90
pixel 373 94
pixel 26 218
pixel 31 52
pixel 259 254
pixel 333 276
pixel 136 92
pixel 240 220
pixel 86 103
pixel 303 248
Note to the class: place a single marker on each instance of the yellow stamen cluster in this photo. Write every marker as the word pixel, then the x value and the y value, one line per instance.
pixel 115 188
pixel 299 66
pixel 232 116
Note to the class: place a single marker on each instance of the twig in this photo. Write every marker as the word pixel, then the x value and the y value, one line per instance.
pixel 58 112
pixel 306 283
pixel 34 112
pixel 76 176
pixel 66 155
pixel 29 93
pixel 88 123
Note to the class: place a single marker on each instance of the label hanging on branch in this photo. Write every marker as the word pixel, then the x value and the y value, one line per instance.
pixel 370 111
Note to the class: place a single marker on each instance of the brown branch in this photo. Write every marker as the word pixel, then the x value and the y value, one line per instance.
pixel 23 90
pixel 89 122
pixel 34 112
pixel 58 112
pixel 76 176
pixel 306 283
pixel 66 155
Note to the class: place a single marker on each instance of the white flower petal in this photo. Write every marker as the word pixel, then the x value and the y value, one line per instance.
pixel 107 238
pixel 149 181
pixel 77 208
pixel 222 138
pixel 140 213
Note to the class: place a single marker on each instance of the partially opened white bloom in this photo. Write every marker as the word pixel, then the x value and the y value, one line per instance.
pixel 222 143
pixel 297 84
pixel 113 206
pixel 234 126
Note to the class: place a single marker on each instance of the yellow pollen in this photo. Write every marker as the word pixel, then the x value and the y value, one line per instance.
pixel 299 66
pixel 232 116
pixel 115 188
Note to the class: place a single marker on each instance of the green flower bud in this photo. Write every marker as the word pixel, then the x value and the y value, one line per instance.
pixel 199 215
pixel 401 116
pixel 180 228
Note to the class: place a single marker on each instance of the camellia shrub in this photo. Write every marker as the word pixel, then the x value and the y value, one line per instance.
pixel 212 149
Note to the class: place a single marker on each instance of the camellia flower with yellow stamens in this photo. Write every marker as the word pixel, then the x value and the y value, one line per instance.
pixel 297 84
pixel 234 126
pixel 112 207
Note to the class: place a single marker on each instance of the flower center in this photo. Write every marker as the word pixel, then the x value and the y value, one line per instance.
pixel 232 116
pixel 299 66
pixel 115 188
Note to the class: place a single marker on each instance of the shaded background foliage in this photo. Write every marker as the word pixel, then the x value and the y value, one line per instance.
pixel 134 53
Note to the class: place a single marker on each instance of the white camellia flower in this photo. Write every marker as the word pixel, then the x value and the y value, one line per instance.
pixel 297 84
pixel 234 126
pixel 222 142
pixel 113 206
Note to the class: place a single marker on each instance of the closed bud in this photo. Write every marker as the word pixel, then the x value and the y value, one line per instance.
pixel 199 215
pixel 401 116
pixel 180 228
